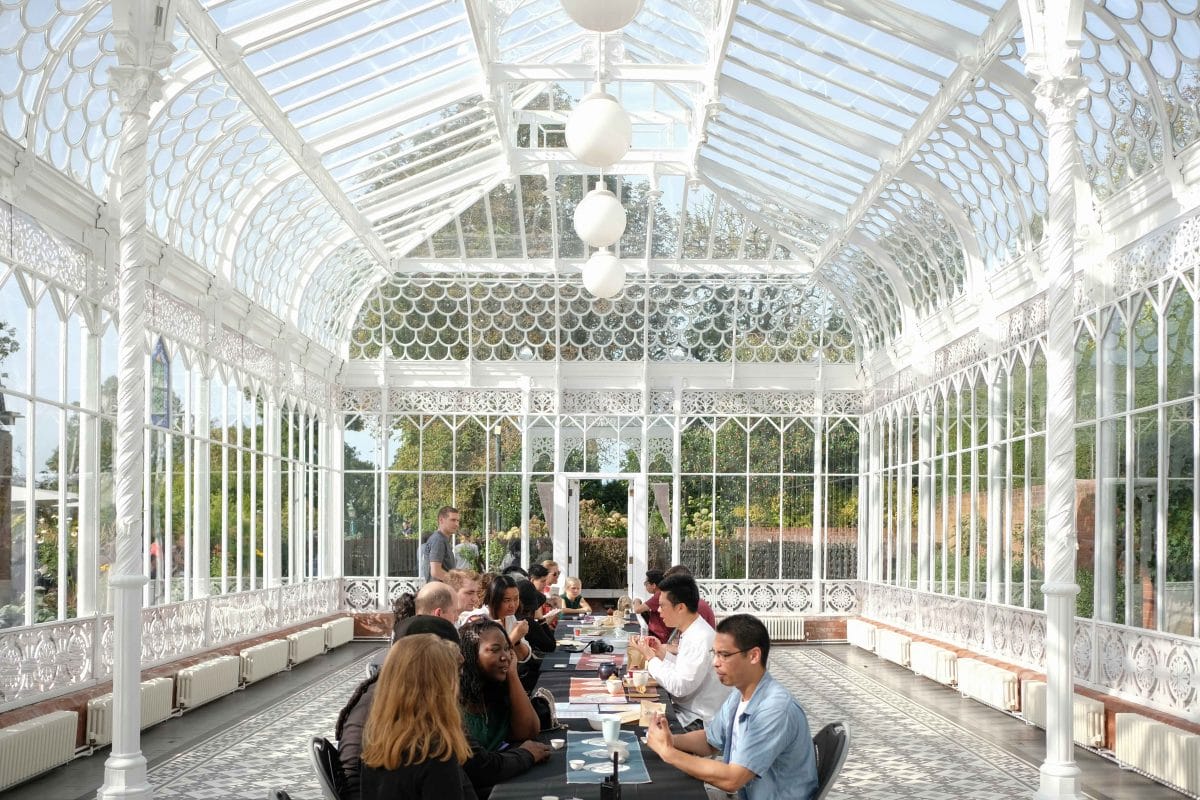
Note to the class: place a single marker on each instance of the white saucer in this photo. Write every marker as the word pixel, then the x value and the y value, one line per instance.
pixel 605 769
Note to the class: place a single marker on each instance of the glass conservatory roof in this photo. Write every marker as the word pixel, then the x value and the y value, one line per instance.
pixel 313 152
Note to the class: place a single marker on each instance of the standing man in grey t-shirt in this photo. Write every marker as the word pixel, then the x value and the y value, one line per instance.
pixel 436 556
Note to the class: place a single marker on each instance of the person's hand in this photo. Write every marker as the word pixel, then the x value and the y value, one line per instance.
pixel 652 642
pixel 518 632
pixel 658 735
pixel 540 752
pixel 639 644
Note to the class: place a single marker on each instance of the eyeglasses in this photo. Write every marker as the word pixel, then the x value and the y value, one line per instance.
pixel 720 655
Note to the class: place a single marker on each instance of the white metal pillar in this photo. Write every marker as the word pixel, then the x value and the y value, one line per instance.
pixel 272 497
pixel 201 489
pixel 997 418
pixel 875 532
pixel 87 598
pixel 925 497
pixel 333 494
pixel 818 526
pixel 1053 37
pixel 143 31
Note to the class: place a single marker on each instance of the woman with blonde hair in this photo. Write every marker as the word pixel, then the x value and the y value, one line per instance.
pixel 414 744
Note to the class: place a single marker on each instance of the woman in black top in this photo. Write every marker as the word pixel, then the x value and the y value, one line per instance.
pixel 414 744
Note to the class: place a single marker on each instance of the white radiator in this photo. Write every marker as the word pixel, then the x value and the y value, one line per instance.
pixel 156 707
pixel 861 633
pixel 305 644
pixel 30 748
pixel 1160 750
pixel 784 629
pixel 987 683
pixel 1087 713
pixel 934 662
pixel 207 681
pixel 264 659
pixel 338 632
pixel 893 646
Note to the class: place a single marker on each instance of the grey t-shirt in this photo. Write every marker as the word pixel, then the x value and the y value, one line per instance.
pixel 436 548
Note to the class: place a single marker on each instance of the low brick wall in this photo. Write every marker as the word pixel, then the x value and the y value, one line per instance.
pixel 77 701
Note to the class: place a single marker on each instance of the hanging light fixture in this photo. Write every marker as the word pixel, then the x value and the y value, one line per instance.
pixel 599 132
pixel 600 217
pixel 602 15
pixel 604 274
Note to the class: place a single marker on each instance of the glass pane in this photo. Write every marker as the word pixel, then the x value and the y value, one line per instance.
pixel 763 529
pixel 1180 345
pixel 696 525
pixel 730 531
pixel 1178 594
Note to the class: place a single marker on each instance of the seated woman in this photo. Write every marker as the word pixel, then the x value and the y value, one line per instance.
pixel 413 743
pixel 496 709
pixel 539 575
pixel 573 602
pixel 502 599
pixel 540 635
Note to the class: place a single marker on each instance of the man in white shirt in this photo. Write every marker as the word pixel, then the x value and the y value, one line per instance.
pixel 688 676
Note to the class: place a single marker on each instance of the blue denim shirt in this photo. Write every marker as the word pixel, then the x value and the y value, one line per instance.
pixel 774 743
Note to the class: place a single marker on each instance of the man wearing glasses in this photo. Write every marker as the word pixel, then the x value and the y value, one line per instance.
pixel 760 732
pixel 688 674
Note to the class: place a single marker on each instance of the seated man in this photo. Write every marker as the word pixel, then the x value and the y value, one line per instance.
pixel 760 732
pixel 434 599
pixel 687 675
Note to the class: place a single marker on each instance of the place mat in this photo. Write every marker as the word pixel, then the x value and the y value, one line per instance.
pixel 593 661
pixel 592 690
pixel 649 694
pixel 591 749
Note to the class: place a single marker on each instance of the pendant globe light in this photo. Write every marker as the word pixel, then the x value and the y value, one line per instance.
pixel 602 15
pixel 604 274
pixel 599 132
pixel 600 218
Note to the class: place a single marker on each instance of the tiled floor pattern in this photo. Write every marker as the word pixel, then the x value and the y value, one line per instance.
pixel 899 748
pixel 267 749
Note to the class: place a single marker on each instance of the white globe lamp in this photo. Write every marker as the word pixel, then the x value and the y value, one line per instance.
pixel 600 218
pixel 599 132
pixel 602 15
pixel 604 274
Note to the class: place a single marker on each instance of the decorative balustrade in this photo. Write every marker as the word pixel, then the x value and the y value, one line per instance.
pixel 41 661
pixel 1157 670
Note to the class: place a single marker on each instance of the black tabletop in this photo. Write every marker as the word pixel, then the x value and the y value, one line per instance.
pixel 550 777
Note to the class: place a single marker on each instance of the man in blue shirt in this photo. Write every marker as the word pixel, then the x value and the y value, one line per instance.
pixel 761 731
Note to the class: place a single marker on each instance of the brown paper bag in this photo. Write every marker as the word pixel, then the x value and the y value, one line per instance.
pixel 649 708
pixel 634 659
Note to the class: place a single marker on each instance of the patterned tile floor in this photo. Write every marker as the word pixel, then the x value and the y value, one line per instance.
pixel 910 738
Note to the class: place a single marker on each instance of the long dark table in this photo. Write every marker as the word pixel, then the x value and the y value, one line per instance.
pixel 550 777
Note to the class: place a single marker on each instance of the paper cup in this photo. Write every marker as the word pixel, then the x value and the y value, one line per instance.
pixel 611 726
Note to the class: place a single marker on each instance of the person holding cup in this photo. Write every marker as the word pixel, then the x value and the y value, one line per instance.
pixel 687 675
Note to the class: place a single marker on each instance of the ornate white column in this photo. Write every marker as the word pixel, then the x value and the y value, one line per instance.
pixel 1059 90
pixel 875 530
pixel 272 496
pixel 332 533
pixel 142 34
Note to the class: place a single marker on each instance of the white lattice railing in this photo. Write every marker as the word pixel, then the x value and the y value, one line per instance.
pixel 726 597
pixel 1153 669
pixel 41 661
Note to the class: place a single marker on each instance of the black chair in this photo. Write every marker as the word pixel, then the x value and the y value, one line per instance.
pixel 328 765
pixel 832 743
pixel 275 793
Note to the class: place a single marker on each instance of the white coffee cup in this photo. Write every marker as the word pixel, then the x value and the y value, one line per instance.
pixel 576 763
pixel 641 679
pixel 558 744
pixel 611 727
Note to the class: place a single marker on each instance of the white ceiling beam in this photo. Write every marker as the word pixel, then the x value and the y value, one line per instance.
pixel 395 118
pixel 228 59
pixel 727 175
pixel 998 33
pixel 636 162
pixel 519 268
pixel 636 73
pixel 495 96
pixel 708 104
pixel 775 107
pixel 926 32
pixel 417 189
